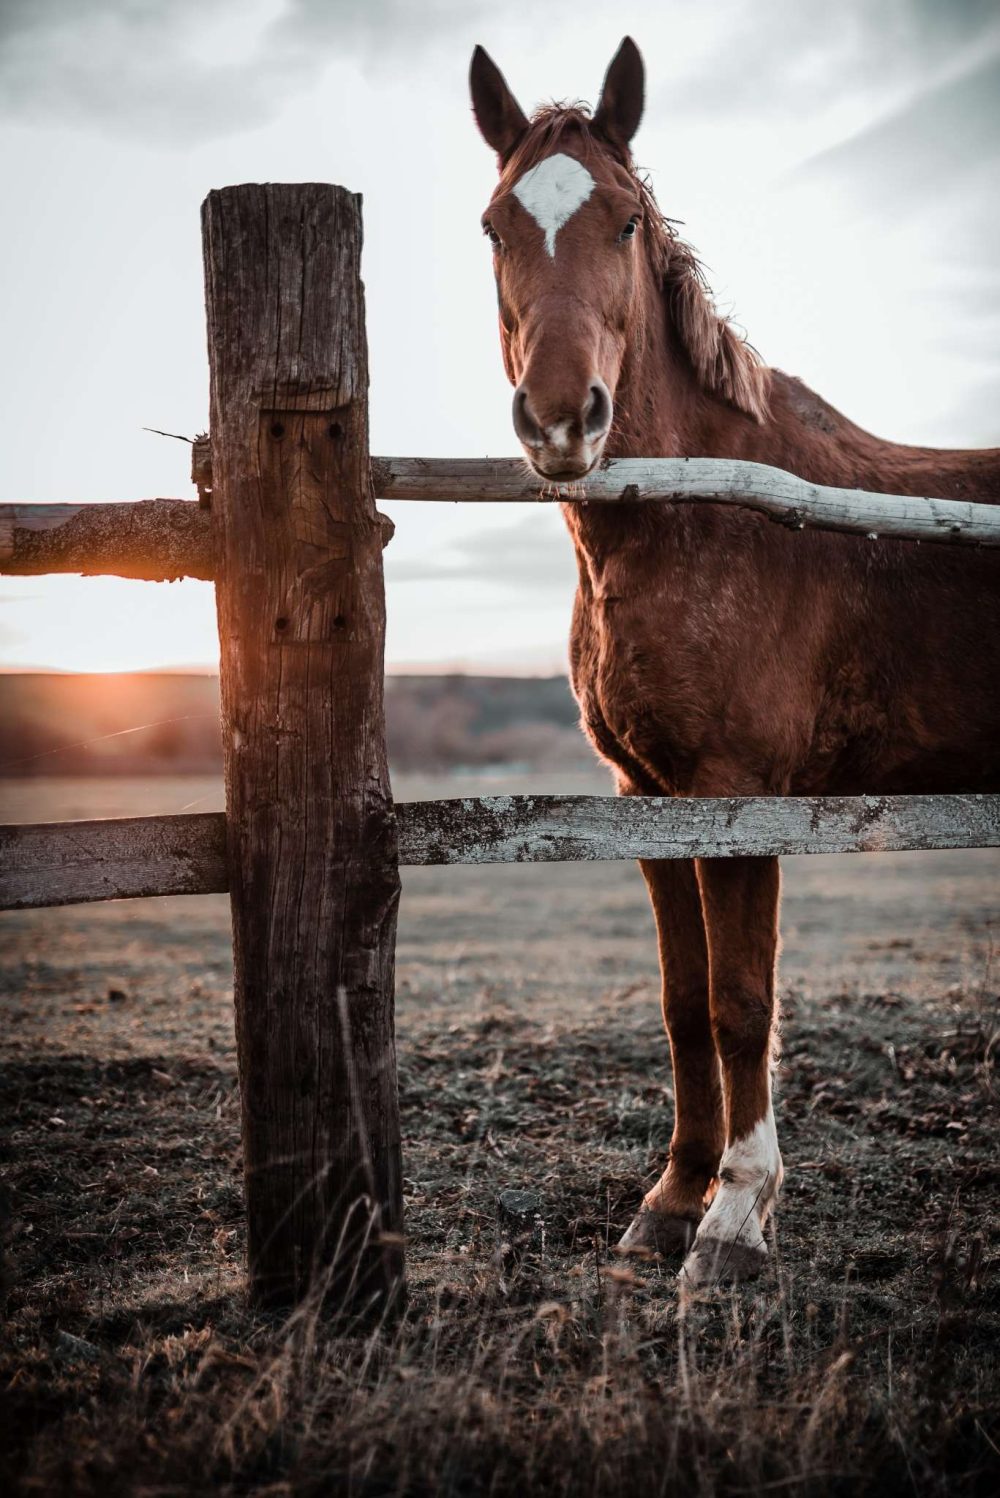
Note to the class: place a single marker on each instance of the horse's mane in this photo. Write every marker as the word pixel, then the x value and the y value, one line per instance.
pixel 723 362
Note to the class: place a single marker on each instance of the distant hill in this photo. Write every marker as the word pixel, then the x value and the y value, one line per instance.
pixel 149 723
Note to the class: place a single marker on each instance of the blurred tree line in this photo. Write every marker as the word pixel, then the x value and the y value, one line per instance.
pixel 149 723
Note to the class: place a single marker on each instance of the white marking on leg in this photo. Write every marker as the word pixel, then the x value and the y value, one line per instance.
pixel 552 192
pixel 750 1175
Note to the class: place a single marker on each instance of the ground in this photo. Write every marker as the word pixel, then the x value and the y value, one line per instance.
pixel 531 1058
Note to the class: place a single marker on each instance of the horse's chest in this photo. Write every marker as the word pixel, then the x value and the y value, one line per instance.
pixel 637 695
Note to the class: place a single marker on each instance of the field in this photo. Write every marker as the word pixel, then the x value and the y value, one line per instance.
pixel 531 1058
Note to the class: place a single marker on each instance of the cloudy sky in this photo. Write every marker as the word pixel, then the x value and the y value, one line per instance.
pixel 835 165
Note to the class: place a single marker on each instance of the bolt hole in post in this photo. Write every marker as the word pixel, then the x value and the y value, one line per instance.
pixel 281 623
pixel 335 430
pixel 277 428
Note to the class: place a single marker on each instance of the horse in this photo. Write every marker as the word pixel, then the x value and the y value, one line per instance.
pixel 712 652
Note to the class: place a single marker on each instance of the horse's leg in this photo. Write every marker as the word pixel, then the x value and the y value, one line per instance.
pixel 739 899
pixel 671 1212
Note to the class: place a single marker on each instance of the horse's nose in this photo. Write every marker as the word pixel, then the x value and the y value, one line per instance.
pixel 597 413
pixel 526 424
pixel 592 421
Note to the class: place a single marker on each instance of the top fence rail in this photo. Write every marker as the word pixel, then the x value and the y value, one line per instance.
pixel 157 539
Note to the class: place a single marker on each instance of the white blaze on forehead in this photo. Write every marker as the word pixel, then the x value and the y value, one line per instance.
pixel 552 192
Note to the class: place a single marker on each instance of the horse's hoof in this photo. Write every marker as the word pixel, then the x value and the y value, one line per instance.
pixel 652 1233
pixel 713 1261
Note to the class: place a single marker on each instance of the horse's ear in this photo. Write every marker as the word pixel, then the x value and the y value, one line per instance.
pixel 620 110
pixel 500 118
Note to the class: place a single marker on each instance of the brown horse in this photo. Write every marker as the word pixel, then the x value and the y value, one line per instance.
pixel 714 653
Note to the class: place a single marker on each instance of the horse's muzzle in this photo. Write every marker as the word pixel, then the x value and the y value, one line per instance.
pixel 565 446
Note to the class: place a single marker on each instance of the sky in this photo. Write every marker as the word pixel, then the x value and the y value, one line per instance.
pixel 836 166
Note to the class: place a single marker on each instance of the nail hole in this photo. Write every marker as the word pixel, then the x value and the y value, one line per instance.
pixel 281 623
pixel 339 622
pixel 277 428
pixel 336 430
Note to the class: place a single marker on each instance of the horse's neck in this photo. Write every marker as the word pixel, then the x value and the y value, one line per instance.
pixel 808 437
pixel 664 412
pixel 801 434
pixel 668 414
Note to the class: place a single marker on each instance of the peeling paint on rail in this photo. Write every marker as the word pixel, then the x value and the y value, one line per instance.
pixel 62 863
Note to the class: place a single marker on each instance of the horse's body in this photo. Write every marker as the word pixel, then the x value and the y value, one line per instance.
pixel 714 653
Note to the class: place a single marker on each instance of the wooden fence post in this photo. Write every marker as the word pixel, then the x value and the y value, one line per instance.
pixel 311 834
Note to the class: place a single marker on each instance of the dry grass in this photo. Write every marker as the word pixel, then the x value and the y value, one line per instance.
pixel 866 1362
pixel 132 1363
pixel 476 1391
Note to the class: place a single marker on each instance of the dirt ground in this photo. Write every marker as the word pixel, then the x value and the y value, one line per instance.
pixel 531 1058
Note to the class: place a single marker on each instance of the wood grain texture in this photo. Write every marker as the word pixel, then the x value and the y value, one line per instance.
pixel 68 863
pixel 784 498
pixel 541 829
pixel 312 840
pixel 154 540
pixel 59 863
pixel 158 540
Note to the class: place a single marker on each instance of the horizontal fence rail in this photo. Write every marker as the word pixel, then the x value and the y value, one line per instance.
pixel 757 486
pixel 158 539
pixel 122 858
pixel 542 829
pixel 62 863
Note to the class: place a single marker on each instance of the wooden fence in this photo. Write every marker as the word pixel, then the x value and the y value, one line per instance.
pixel 310 844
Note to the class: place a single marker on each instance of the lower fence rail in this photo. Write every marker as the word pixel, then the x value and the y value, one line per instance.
pixel 65 863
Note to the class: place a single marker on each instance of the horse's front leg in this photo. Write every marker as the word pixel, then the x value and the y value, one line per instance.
pixel 739 899
pixel 671 1212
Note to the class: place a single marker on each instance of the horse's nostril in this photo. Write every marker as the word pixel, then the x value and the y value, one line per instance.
pixel 597 417
pixel 525 425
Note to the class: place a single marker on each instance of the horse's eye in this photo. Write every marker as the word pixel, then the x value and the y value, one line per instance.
pixel 491 234
pixel 629 230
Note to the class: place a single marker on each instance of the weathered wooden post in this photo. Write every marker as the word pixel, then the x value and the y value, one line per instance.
pixel 311 833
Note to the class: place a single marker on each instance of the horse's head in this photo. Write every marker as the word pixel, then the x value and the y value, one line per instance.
pixel 566 224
